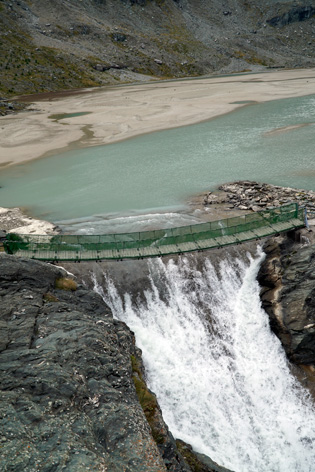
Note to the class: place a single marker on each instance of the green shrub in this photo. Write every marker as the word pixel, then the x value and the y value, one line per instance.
pixel 64 283
pixel 147 400
pixel 49 297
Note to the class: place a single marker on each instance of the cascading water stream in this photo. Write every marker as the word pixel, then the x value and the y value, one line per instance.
pixel 220 375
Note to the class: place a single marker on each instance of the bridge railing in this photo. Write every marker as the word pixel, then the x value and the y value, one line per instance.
pixel 156 238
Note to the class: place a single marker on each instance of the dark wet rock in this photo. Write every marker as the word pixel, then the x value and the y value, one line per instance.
pixel 287 278
pixel 72 389
pixel 198 462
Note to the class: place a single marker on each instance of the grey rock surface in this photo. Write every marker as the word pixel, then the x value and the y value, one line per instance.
pixel 294 15
pixel 68 401
pixel 72 380
pixel 251 195
pixel 62 44
pixel 287 278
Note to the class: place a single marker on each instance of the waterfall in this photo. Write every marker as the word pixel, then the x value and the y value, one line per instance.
pixel 220 375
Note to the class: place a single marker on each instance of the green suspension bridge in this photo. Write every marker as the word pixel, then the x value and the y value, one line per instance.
pixel 138 245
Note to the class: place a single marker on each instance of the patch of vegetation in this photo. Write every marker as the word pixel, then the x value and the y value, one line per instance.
pixel 64 283
pixel 188 454
pixel 13 243
pixel 49 297
pixel 25 68
pixel 252 58
pixel 135 366
pixel 146 399
pixel 239 54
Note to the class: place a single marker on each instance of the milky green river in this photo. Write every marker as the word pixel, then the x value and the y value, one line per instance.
pixel 145 181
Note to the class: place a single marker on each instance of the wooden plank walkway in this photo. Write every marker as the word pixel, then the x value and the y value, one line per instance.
pixel 157 248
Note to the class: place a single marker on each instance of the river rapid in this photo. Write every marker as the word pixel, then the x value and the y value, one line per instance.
pixel 220 375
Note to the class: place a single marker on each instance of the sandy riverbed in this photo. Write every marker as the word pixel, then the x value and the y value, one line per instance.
pixel 117 113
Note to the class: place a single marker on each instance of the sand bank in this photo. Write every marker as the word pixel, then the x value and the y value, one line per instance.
pixel 117 113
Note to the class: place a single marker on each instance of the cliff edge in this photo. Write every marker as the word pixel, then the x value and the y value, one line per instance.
pixel 73 391
pixel 288 296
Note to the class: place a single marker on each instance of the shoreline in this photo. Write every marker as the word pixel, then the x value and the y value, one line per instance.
pixel 15 220
pixel 116 113
pixel 228 200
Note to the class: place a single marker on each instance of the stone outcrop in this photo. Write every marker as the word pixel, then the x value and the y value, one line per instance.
pixel 288 294
pixel 198 462
pixel 255 196
pixel 8 107
pixel 294 15
pixel 72 388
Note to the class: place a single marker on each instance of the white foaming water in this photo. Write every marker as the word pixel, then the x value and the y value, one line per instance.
pixel 220 375
pixel 107 224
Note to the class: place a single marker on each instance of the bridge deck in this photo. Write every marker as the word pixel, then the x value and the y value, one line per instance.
pixel 194 242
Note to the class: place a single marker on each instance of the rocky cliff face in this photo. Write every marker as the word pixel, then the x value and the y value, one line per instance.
pixel 288 294
pixel 287 278
pixel 294 15
pixel 72 388
pixel 64 44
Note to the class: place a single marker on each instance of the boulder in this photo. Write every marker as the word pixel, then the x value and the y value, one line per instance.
pixel 119 37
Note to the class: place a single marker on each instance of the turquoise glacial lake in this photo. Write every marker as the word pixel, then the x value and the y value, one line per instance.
pixel 149 178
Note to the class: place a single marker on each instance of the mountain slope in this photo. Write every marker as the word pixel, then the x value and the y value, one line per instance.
pixel 46 46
